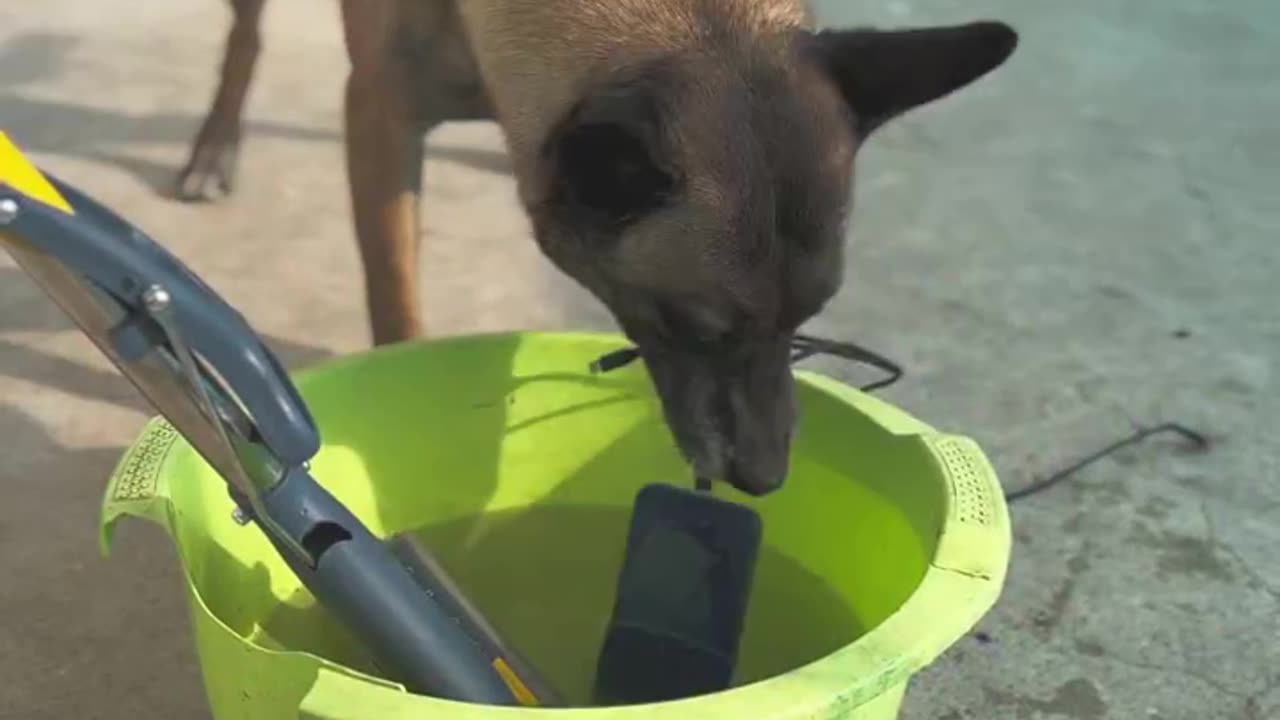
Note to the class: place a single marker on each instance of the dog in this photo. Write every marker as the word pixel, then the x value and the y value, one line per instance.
pixel 688 162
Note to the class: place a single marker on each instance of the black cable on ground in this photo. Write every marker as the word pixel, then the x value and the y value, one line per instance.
pixel 806 346
pixel 1194 440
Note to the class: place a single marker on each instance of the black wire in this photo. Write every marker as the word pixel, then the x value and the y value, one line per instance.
pixel 1196 440
pixel 806 346
pixel 802 347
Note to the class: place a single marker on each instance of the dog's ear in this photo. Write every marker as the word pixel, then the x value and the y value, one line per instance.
pixel 884 73
pixel 606 161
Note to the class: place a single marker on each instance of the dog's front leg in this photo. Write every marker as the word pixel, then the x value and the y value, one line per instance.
pixel 384 171
pixel 210 170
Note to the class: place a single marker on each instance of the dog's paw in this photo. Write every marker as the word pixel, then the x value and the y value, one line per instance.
pixel 210 174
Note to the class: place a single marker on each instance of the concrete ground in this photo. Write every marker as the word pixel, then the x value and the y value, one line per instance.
pixel 1082 242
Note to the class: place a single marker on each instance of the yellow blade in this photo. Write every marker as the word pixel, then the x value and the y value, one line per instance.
pixel 17 172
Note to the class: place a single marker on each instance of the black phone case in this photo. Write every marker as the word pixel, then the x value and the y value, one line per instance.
pixel 681 600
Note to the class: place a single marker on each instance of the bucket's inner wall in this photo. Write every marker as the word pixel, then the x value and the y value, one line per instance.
pixel 518 470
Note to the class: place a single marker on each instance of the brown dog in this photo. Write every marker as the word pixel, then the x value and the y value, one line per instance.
pixel 689 162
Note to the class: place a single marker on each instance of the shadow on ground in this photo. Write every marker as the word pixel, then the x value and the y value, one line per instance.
pixel 133 605
pixel 25 361
pixel 102 136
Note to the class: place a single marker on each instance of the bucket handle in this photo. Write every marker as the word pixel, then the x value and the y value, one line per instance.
pixel 137 486
pixel 977 527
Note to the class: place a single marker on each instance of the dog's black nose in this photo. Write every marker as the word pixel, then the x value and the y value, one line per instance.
pixel 756 478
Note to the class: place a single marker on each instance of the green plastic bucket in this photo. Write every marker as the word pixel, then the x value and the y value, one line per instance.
pixel 888 543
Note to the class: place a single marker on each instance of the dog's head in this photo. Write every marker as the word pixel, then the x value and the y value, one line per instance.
pixel 702 196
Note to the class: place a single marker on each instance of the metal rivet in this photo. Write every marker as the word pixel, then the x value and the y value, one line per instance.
pixel 8 210
pixel 155 299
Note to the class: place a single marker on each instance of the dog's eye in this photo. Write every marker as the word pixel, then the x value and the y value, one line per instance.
pixel 683 325
pixel 672 322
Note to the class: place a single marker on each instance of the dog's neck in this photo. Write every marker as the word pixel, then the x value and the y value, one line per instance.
pixel 536 56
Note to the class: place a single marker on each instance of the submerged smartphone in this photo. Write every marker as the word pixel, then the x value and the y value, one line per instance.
pixel 681 600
